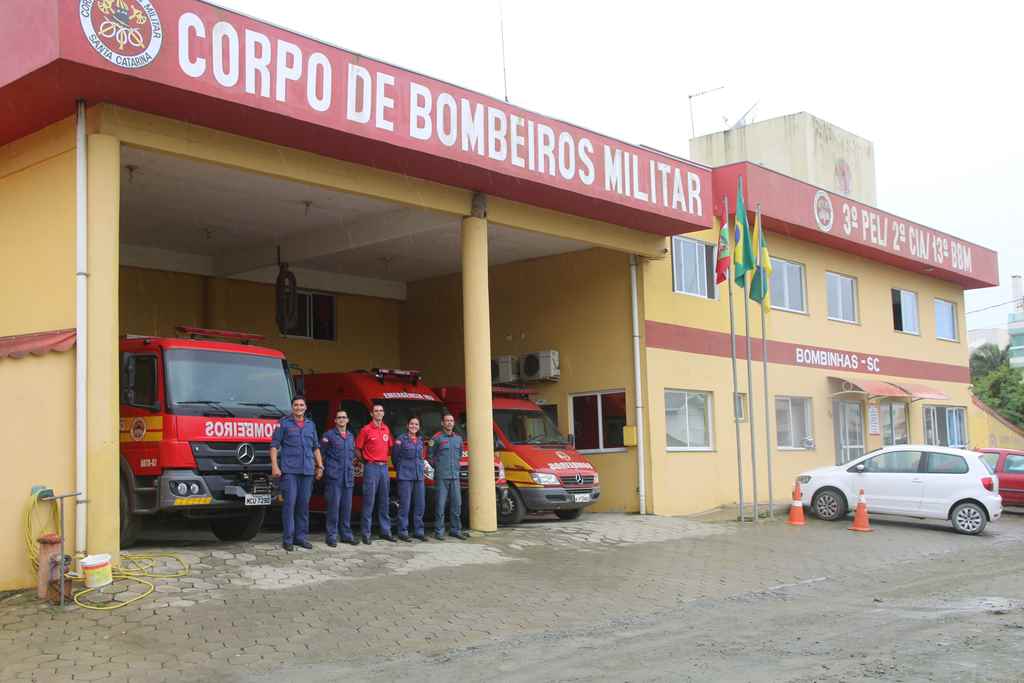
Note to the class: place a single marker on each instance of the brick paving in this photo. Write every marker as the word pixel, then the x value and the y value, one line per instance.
pixel 247 609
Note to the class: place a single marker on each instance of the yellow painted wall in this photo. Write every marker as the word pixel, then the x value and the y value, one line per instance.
pixel 575 303
pixel 155 302
pixel 37 246
pixel 988 429
pixel 687 482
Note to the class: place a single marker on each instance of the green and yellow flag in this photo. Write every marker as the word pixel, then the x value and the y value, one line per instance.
pixel 760 285
pixel 743 259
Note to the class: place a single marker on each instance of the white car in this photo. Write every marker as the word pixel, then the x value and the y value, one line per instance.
pixel 929 482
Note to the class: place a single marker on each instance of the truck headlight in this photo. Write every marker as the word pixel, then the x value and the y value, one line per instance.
pixel 544 479
pixel 804 479
pixel 193 488
pixel 597 477
pixel 181 488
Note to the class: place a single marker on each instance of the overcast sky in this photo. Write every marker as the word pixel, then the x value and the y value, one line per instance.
pixel 935 86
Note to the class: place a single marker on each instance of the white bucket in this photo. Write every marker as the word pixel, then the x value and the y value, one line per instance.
pixel 97 570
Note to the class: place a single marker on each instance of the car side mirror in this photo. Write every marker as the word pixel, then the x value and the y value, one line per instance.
pixel 859 468
pixel 497 444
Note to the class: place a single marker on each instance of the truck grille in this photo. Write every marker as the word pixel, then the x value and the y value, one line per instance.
pixel 569 481
pixel 223 456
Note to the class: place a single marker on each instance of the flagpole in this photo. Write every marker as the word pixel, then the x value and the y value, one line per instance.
pixel 735 379
pixel 750 403
pixel 767 396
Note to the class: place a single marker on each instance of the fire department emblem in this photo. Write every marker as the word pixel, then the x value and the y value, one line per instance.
pixel 823 213
pixel 138 430
pixel 127 33
pixel 563 455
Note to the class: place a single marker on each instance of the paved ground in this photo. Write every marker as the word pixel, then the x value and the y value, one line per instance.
pixel 609 597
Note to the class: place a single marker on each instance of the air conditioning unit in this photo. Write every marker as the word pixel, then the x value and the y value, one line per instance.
pixel 504 369
pixel 539 365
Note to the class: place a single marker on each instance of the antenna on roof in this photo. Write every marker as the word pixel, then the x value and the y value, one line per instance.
pixel 693 128
pixel 742 121
pixel 501 28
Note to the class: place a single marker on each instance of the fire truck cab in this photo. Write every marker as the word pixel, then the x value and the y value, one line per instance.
pixel 197 417
pixel 403 396
pixel 545 473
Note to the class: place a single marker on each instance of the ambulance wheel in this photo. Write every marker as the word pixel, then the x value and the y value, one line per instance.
pixel 513 511
pixel 130 524
pixel 239 528
pixel 569 514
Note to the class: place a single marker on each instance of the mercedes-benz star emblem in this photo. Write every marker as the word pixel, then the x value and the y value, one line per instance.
pixel 246 454
pixel 579 478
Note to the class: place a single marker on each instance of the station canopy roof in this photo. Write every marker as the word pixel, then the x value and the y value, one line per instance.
pixel 201 64
pixel 876 388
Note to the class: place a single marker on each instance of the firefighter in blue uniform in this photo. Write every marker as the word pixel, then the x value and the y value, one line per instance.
pixel 296 443
pixel 407 457
pixel 445 454
pixel 339 447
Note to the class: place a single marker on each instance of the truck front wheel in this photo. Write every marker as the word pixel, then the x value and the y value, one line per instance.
pixel 512 511
pixel 130 524
pixel 242 528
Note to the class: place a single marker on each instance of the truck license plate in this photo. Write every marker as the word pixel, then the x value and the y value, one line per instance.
pixel 581 497
pixel 257 499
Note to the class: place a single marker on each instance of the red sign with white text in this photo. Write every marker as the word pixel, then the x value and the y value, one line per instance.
pixel 809 213
pixel 416 125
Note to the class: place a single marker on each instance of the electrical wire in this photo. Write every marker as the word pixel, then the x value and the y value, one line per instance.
pixel 987 308
pixel 137 568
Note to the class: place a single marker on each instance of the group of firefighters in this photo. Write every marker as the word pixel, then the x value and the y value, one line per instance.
pixel 298 456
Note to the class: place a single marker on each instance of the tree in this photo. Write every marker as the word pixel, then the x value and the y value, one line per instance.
pixel 988 358
pixel 1003 390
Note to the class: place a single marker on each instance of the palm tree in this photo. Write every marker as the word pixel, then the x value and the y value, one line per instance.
pixel 988 358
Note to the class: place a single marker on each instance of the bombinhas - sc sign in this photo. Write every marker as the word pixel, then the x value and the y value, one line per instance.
pixel 127 33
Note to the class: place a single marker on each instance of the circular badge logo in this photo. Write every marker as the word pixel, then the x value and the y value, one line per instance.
pixel 138 429
pixel 823 214
pixel 127 33
pixel 246 454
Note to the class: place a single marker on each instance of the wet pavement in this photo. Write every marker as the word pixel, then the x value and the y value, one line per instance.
pixel 611 597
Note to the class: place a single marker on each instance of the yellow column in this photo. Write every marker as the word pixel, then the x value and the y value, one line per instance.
pixel 103 456
pixel 476 311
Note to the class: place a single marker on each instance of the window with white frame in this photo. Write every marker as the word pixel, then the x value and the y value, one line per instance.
pixel 945 426
pixel 945 320
pixel 842 297
pixel 904 311
pixel 693 267
pixel 894 423
pixel 787 286
pixel 793 422
pixel 598 418
pixel 687 420
pixel 316 317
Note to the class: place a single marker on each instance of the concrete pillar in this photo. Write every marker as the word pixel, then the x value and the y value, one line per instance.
pixel 103 443
pixel 476 307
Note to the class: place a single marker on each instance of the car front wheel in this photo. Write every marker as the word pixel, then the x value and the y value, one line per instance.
pixel 968 518
pixel 829 505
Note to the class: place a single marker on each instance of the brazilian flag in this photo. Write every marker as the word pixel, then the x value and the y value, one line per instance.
pixel 743 259
pixel 760 284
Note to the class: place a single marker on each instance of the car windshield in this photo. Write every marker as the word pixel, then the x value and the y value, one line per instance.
pixel 398 412
pixel 202 382
pixel 529 427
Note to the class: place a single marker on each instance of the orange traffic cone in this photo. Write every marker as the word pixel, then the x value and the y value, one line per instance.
pixel 796 509
pixel 860 516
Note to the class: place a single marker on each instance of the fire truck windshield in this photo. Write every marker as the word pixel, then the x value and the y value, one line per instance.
pixel 202 382
pixel 529 427
pixel 397 413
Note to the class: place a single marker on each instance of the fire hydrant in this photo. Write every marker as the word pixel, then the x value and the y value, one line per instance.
pixel 50 563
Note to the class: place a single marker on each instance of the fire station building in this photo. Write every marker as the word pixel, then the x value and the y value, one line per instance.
pixel 160 158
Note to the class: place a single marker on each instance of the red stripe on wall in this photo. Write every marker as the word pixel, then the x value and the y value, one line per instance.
pixel 710 343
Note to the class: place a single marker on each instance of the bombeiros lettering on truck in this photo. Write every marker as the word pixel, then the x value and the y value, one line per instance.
pixel 197 415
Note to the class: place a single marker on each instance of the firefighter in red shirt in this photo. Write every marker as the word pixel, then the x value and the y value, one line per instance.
pixel 373 445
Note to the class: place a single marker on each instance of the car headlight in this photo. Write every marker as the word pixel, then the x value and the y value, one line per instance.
pixel 501 471
pixel 597 478
pixel 544 479
pixel 193 488
pixel 804 478
pixel 181 488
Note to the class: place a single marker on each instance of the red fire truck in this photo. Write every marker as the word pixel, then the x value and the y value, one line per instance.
pixel 545 472
pixel 403 396
pixel 197 416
